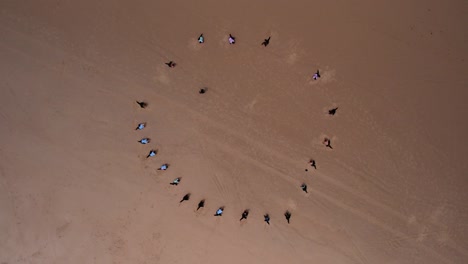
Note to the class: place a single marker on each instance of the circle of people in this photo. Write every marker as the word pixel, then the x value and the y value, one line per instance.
pixel 176 181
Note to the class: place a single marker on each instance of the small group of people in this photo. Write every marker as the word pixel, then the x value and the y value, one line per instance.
pixel 231 41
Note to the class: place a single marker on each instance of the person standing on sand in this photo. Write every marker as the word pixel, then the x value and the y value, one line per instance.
pixel 164 167
pixel 316 75
pixel 201 204
pixel 201 39
pixel 327 143
pixel 219 212
pixel 266 42
pixel 232 40
pixel 170 64
pixel 244 215
pixel 185 198
pixel 266 218
pixel 152 153
pixel 202 91
pixel 175 182
pixel 287 214
pixel 304 187
pixel 142 104
pixel 140 126
pixel 312 164
pixel 144 141
pixel 332 111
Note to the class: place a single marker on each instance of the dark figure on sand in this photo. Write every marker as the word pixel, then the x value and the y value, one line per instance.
pixel 185 198
pixel 202 91
pixel 244 215
pixel 175 182
pixel 287 215
pixel 201 204
pixel 266 42
pixel 219 212
pixel 312 164
pixel 316 75
pixel 332 111
pixel 304 187
pixel 327 143
pixel 170 64
pixel 201 39
pixel 266 218
pixel 142 104
pixel 232 40
pixel 152 153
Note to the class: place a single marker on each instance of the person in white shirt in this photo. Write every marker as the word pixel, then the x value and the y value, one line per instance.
pixel 152 153
pixel 219 212
pixel 164 167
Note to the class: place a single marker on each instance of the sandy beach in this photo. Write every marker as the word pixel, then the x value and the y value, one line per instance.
pixel 76 186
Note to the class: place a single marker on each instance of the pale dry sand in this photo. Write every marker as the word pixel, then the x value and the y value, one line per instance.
pixel 75 186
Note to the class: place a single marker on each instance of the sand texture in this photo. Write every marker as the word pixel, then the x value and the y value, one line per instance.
pixel 76 187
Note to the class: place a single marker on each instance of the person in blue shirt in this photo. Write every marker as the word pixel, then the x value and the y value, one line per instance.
pixel 140 126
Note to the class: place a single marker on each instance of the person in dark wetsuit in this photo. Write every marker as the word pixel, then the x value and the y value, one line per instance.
pixel 202 91
pixel 327 143
pixel 312 164
pixel 304 187
pixel 266 218
pixel 266 42
pixel 244 215
pixel 332 111
pixel 185 198
pixel 142 104
pixel 287 214
pixel 201 204
pixel 170 64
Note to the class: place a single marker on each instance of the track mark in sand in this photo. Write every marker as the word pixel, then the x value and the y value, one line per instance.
pixel 220 186
pixel 194 45
pixel 292 205
pixel 359 254
pixel 250 106
pixel 295 51
pixel 62 229
pixel 161 76
pixel 292 58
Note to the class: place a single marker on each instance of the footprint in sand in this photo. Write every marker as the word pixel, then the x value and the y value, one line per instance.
pixel 194 45
pixel 161 77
